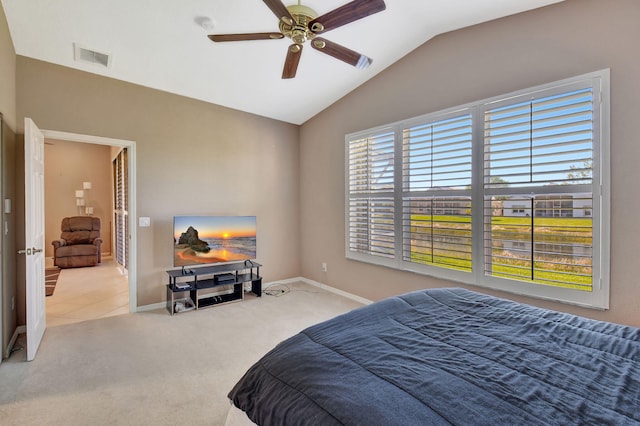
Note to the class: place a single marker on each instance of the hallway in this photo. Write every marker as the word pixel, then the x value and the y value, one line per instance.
pixel 83 294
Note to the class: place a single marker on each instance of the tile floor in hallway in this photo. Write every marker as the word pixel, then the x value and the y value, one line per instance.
pixel 84 294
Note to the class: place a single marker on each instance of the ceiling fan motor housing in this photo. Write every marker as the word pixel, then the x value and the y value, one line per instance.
pixel 299 31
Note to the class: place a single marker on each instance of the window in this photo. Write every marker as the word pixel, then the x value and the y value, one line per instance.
pixel 371 189
pixel 507 193
pixel 436 196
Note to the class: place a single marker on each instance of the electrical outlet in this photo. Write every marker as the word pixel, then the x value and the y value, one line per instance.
pixel 324 267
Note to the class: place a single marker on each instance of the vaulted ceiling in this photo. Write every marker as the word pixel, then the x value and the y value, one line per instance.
pixel 163 44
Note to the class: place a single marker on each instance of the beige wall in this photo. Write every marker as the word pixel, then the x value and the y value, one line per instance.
pixel 541 46
pixel 67 166
pixel 7 73
pixel 192 158
pixel 8 188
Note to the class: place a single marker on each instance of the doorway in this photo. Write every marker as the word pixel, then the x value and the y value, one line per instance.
pixel 116 281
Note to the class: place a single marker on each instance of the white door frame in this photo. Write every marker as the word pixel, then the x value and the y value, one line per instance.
pixel 2 195
pixel 131 152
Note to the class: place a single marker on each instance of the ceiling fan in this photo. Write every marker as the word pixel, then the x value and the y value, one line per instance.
pixel 301 23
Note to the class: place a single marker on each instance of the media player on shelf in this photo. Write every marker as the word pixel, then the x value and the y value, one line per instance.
pixel 227 277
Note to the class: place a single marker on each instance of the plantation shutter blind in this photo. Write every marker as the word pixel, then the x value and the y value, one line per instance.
pixel 117 184
pixel 436 199
pixel 511 192
pixel 541 142
pixel 121 186
pixel 371 217
pixel 438 155
pixel 125 203
pixel 538 165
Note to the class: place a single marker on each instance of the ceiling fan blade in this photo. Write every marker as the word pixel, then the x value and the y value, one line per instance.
pixel 291 63
pixel 349 56
pixel 242 37
pixel 280 10
pixel 343 15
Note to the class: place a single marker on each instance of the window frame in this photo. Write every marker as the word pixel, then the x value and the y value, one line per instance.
pixel 598 297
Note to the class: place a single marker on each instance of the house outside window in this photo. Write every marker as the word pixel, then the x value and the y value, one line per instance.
pixel 509 193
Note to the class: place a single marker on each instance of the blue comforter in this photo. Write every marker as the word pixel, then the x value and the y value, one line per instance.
pixel 448 356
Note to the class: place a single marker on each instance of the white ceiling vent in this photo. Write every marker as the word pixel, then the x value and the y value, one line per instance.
pixel 82 54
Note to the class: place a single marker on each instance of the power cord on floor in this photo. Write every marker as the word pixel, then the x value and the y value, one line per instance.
pixel 15 349
pixel 278 290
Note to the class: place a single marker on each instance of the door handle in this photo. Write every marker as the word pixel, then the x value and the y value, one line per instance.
pixel 30 251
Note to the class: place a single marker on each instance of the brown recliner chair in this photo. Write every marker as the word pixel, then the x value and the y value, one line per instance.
pixel 79 244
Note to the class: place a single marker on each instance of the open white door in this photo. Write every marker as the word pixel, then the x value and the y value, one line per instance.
pixel 34 238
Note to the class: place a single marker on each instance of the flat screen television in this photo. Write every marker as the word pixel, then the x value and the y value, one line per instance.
pixel 202 240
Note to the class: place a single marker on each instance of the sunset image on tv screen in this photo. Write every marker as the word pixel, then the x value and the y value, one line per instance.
pixel 213 239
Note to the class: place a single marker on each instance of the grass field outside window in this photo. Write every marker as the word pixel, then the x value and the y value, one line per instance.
pixel 437 240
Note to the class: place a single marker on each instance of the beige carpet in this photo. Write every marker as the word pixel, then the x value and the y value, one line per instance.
pixel 150 368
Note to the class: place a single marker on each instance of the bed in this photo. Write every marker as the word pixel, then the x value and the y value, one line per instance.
pixel 447 356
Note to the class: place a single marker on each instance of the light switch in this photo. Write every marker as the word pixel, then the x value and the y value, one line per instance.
pixel 144 222
pixel 7 205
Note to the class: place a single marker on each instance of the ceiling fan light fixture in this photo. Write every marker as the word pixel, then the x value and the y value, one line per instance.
pixel 298 36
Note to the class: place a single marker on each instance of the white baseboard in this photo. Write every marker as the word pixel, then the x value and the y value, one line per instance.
pixel 152 307
pixel 18 331
pixel 284 282
pixel 162 305
pixel 324 287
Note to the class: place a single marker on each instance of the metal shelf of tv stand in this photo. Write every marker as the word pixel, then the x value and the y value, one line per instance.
pixel 204 278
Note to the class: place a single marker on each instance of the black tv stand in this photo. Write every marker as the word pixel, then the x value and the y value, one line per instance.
pixel 205 286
